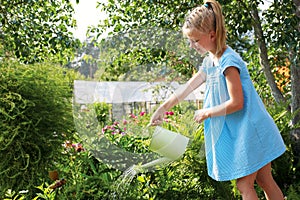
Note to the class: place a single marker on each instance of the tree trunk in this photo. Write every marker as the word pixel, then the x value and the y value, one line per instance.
pixel 295 104
pixel 297 4
pixel 295 88
pixel 263 55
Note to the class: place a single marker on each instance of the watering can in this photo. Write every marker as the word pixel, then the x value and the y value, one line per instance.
pixel 168 143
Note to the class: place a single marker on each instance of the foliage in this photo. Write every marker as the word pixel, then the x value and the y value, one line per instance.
pixel 258 77
pixel 35 31
pixel 146 54
pixel 36 118
pixel 36 113
pixel 281 28
pixel 102 110
pixel 86 59
pixel 138 13
pixel 186 178
pixel 293 192
pixel 286 168
pixel 282 43
pixel 150 48
pixel 125 135
pixel 12 195
pixel 47 193
pixel 87 178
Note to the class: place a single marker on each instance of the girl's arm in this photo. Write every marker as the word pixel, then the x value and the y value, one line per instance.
pixel 236 98
pixel 179 95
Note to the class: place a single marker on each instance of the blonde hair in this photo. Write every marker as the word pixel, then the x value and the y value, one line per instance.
pixel 206 18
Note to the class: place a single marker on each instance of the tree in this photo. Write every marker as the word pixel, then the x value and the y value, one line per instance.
pixel 36 30
pixel 86 58
pixel 294 45
pixel 282 34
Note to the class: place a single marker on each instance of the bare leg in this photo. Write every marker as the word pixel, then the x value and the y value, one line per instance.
pixel 246 187
pixel 265 180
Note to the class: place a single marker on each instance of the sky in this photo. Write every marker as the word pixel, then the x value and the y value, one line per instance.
pixel 86 14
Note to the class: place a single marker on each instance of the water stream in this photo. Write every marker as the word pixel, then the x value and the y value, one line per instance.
pixel 123 182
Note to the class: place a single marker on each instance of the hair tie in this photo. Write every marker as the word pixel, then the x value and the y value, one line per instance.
pixel 206 5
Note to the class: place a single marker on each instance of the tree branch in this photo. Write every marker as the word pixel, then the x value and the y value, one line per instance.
pixel 263 55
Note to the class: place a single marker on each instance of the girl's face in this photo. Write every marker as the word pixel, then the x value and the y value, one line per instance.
pixel 202 42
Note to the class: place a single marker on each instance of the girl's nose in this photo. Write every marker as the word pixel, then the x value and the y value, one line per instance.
pixel 192 45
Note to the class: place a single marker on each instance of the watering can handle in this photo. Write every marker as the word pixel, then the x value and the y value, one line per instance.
pixel 149 125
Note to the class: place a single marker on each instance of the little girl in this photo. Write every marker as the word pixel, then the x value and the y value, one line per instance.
pixel 241 138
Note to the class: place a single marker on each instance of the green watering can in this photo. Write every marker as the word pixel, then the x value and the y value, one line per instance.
pixel 168 143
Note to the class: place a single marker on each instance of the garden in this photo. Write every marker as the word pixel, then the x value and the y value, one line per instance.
pixel 54 148
pixel 45 158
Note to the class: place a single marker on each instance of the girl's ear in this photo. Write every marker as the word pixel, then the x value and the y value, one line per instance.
pixel 212 35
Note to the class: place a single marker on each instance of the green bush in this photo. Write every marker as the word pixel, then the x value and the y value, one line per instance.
pixel 86 177
pixel 102 110
pixel 285 168
pixel 36 118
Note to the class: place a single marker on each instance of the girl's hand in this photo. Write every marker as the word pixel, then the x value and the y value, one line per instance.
pixel 201 115
pixel 157 117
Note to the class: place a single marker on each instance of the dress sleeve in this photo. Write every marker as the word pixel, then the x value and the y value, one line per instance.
pixel 230 60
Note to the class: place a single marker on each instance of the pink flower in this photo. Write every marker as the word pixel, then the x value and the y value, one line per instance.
pixel 125 122
pixel 142 113
pixel 133 116
pixel 171 113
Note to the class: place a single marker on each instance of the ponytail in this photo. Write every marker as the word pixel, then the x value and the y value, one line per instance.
pixel 219 26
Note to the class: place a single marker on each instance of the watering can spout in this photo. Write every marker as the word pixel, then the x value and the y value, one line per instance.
pixel 156 162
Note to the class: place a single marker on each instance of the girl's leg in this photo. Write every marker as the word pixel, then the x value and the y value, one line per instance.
pixel 246 187
pixel 265 180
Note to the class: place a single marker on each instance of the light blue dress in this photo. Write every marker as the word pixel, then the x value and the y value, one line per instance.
pixel 240 143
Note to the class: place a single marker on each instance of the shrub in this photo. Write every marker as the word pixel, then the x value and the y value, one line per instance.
pixel 36 118
pixel 285 168
pixel 102 110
